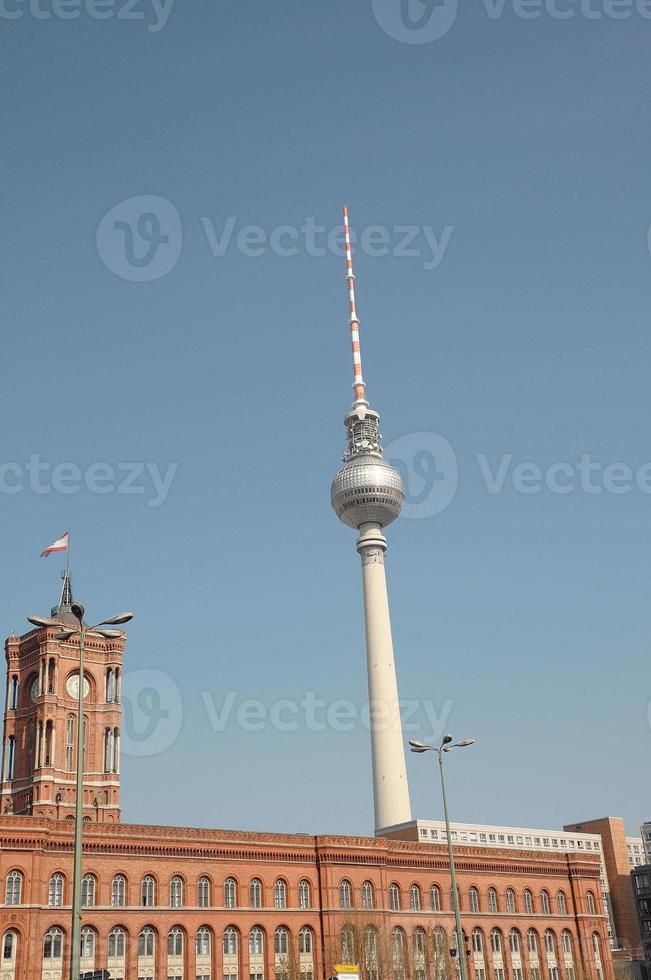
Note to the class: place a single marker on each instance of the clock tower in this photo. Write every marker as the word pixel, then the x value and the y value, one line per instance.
pixel 40 722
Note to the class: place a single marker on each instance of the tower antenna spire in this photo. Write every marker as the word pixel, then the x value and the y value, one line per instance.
pixel 358 379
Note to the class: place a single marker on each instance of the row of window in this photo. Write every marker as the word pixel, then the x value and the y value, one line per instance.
pixel 148 885
pixel 493 904
pixel 367 948
pixel 44 683
pixel 53 942
pixel 513 840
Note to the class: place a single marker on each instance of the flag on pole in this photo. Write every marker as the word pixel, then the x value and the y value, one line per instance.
pixel 61 544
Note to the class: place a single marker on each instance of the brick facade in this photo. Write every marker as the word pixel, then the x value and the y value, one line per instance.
pixel 40 849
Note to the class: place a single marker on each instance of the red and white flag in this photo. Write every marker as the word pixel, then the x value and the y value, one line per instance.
pixel 61 544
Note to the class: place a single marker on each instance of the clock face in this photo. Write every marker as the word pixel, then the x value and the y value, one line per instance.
pixel 72 686
pixel 33 690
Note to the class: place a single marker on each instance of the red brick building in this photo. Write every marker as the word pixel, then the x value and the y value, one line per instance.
pixel 191 904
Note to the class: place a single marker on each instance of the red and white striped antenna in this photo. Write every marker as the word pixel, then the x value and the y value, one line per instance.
pixel 358 379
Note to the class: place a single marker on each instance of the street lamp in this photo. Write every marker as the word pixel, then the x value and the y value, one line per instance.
pixel 446 746
pixel 110 634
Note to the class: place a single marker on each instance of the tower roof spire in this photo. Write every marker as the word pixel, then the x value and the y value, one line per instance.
pixel 358 379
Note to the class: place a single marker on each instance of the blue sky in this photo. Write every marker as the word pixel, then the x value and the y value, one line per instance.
pixel 521 146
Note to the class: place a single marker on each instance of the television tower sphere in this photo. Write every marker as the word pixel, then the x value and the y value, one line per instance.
pixel 367 490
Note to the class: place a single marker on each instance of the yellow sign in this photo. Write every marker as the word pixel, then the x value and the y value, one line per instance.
pixel 346 968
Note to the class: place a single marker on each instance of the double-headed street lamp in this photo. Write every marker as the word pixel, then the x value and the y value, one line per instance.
pixel 81 630
pixel 446 746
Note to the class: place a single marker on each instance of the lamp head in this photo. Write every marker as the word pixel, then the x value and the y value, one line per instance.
pixel 446 740
pixel 42 621
pixel 117 620
pixel 62 637
pixel 418 746
pixel 464 742
pixel 77 610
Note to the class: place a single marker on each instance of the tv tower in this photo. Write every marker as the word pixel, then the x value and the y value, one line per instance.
pixel 367 494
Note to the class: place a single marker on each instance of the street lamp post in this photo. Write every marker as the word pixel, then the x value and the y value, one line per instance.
pixel 81 630
pixel 446 746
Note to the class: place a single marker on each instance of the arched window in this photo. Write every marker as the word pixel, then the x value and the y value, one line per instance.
pixel 305 941
pixel 414 898
pixel 87 951
pixel 440 944
pixel 477 941
pixel 419 944
pixel 514 941
pixel 70 743
pixel 10 757
pixel 281 941
pixel 371 953
pixel 562 904
pixel 304 896
pixel 566 940
pixel 256 942
pixel 398 952
pixel 14 888
pixel 118 892
pixel 13 693
pixel 202 941
pixel 9 947
pixel 53 944
pixel 230 893
pixel 496 941
pixel 590 904
pixel 229 942
pixel 255 893
pixel 532 941
pixel 176 892
pixel 116 943
pixel 148 892
pixel 528 902
pixel 88 891
pixel 108 750
pixel 473 897
pixel 492 900
pixel 175 942
pixel 545 906
pixel 510 901
pixel 394 897
pixel 549 941
pixel 146 942
pixel 55 891
pixel 280 894
pixel 203 893
pixel 344 895
pixel 367 895
pixel 436 898
pixel 347 945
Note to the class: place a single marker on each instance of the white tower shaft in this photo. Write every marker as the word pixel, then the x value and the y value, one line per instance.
pixel 367 494
pixel 390 788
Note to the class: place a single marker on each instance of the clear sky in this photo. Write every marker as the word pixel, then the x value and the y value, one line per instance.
pixel 513 152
